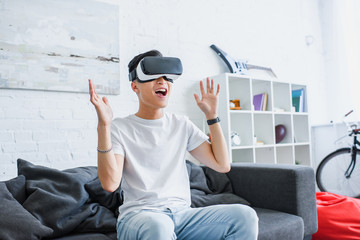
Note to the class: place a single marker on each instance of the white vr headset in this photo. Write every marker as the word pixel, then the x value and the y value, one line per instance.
pixel 151 68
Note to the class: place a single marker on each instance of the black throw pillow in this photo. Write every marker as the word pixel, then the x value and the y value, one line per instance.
pixel 110 200
pixel 211 189
pixel 17 188
pixel 218 182
pixel 55 197
pixel 17 223
pixel 197 177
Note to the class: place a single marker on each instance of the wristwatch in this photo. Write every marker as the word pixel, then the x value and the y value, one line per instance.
pixel 212 121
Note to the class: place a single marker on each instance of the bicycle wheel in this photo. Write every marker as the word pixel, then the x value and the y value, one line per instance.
pixel 330 174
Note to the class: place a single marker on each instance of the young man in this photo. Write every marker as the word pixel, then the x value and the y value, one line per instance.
pixel 146 153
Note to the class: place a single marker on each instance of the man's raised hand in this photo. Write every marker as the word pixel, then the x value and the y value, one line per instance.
pixel 102 106
pixel 209 99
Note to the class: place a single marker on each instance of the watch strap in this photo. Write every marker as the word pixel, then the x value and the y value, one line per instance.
pixel 213 121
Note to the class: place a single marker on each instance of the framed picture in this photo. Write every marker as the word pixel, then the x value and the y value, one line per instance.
pixel 57 45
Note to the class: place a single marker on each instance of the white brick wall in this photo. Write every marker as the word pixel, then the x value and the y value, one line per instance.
pixel 49 128
pixel 58 129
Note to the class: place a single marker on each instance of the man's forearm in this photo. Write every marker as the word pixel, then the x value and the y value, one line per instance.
pixel 218 146
pixel 108 170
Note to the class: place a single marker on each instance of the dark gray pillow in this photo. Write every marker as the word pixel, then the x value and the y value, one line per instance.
pixel 55 197
pixel 16 187
pixel 200 199
pixel 197 177
pixel 110 200
pixel 16 222
pixel 217 182
pixel 205 191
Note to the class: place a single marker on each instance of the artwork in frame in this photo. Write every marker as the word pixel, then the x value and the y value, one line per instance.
pixel 58 45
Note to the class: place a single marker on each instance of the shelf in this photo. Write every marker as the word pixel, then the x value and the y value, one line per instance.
pixel 302 144
pixel 285 154
pixel 254 126
pixel 285 120
pixel 282 113
pixel 302 155
pixel 301 128
pixel 262 112
pixel 241 147
pixel 242 125
pixel 284 144
pixel 263 145
pixel 300 113
pixel 297 87
pixel 264 128
pixel 262 86
pixel 239 111
pixel 238 90
pixel 243 155
pixel 265 155
pixel 282 96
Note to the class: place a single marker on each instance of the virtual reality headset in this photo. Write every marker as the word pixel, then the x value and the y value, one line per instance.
pixel 151 68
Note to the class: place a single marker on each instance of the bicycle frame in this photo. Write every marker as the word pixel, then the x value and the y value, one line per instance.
pixel 354 151
pixel 336 172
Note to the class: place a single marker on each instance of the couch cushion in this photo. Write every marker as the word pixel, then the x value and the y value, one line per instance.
pixel 202 195
pixel 89 236
pixel 16 222
pixel 279 225
pixel 58 198
pixel 107 199
pixel 16 187
pixel 217 182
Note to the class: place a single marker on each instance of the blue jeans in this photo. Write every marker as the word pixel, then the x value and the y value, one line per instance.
pixel 231 222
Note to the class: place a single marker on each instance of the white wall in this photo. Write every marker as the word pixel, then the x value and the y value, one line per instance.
pixel 59 129
pixel 341 36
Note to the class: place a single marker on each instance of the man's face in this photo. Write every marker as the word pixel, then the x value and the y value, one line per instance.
pixel 154 94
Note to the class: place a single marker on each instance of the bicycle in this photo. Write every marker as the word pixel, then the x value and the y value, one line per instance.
pixel 337 172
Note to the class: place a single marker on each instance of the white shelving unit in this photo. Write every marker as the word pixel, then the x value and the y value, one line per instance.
pixel 295 148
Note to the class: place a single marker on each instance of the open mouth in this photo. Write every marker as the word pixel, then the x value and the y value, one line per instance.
pixel 162 92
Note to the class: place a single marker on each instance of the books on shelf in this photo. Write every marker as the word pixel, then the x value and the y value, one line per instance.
pixel 265 102
pixel 298 100
pixel 260 101
pixel 257 101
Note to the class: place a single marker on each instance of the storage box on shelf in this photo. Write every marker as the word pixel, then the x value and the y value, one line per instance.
pixel 256 128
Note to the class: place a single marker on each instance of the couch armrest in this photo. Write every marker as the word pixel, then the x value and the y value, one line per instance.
pixel 285 188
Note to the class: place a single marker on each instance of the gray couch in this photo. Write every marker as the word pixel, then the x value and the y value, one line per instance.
pixel 46 203
pixel 283 196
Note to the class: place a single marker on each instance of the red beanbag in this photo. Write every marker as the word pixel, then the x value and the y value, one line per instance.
pixel 338 217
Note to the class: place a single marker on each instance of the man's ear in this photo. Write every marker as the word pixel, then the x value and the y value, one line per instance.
pixel 134 86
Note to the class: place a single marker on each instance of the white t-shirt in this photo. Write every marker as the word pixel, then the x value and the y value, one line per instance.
pixel 155 174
